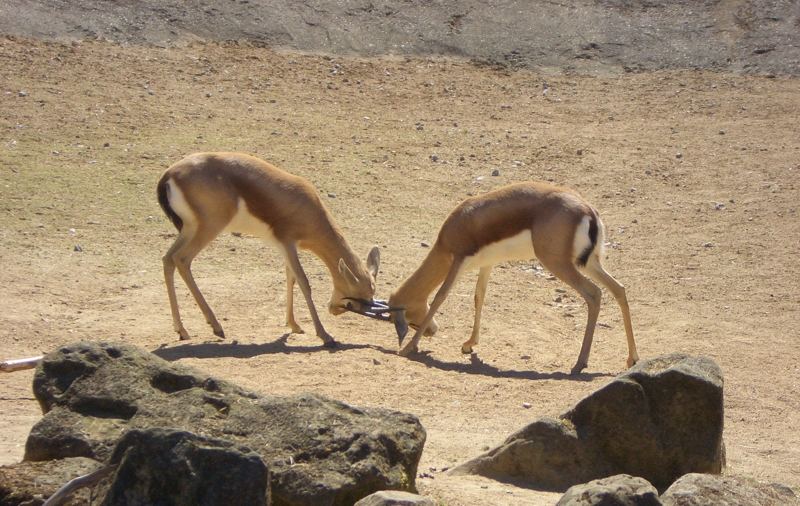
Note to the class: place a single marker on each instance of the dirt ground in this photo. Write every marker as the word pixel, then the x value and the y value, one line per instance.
pixel 695 175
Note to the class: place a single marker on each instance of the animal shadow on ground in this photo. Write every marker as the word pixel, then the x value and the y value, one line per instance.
pixel 280 345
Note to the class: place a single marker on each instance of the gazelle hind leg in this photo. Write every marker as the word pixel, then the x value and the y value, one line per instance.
pixel 169 280
pixel 594 269
pixel 290 321
pixel 438 299
pixel 183 257
pixel 480 296
pixel 565 270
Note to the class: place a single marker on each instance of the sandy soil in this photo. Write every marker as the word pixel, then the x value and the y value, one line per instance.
pixel 695 174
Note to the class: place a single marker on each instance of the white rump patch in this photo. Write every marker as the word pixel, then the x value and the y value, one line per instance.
pixel 178 203
pixel 582 241
pixel 245 223
pixel 516 247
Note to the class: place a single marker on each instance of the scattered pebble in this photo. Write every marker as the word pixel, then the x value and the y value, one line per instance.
pixel 434 158
pixel 679 155
pixel 708 245
pixel 424 244
pixel 495 172
pixel 332 195
pixel 526 405
pixel 78 248
pixel 22 93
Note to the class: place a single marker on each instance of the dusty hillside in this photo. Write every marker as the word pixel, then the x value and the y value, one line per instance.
pixel 753 36
pixel 695 174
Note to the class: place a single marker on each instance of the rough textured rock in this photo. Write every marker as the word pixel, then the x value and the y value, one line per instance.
pixel 319 451
pixel 618 490
pixel 660 420
pixel 161 466
pixel 31 483
pixel 578 35
pixel 394 498
pixel 713 490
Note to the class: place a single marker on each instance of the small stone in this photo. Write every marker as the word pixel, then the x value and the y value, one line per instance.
pixel 679 155
pixel 77 248
pixel 526 405
pixel 424 244
pixel 708 245
pixel 495 172
pixel 375 361
pixel 332 195
pixel 22 93
pixel 106 145
pixel 579 152
pixel 434 158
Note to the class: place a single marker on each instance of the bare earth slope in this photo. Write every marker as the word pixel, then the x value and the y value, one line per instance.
pixel 754 36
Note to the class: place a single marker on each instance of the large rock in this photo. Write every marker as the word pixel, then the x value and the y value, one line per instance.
pixel 619 490
pixel 394 498
pixel 319 451
pixel 713 490
pixel 31 483
pixel 660 420
pixel 163 466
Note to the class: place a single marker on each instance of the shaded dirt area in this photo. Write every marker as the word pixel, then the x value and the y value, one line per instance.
pixel 695 174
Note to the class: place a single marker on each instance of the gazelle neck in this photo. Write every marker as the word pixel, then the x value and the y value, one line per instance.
pixel 330 245
pixel 429 275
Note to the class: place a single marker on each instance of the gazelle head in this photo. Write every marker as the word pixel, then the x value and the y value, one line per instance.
pixel 354 287
pixel 410 314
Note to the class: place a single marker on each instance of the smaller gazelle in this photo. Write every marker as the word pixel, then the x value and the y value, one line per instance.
pixel 208 193
pixel 517 222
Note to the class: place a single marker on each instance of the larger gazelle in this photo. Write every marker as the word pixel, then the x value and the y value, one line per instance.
pixel 517 222
pixel 208 193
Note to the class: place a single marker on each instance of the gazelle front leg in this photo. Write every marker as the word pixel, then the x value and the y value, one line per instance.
pixel 290 321
pixel 441 295
pixel 294 264
pixel 480 295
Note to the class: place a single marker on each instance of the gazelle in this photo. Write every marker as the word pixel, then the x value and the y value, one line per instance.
pixel 208 193
pixel 517 222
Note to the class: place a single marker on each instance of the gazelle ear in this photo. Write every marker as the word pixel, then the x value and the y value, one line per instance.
pixel 374 261
pixel 345 271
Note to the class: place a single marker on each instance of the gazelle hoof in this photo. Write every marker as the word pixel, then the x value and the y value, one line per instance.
pixel 183 336
pixel 466 350
pixel 407 350
pixel 577 368
pixel 220 333
pixel 330 344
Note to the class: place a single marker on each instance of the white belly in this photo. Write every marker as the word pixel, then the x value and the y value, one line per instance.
pixel 517 247
pixel 246 223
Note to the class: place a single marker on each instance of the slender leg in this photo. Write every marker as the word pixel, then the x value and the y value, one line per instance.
pixel 596 271
pixel 183 261
pixel 480 295
pixel 294 263
pixel 169 279
pixel 290 321
pixel 440 296
pixel 564 270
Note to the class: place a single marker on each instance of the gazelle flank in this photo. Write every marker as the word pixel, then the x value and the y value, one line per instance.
pixel 517 222
pixel 206 194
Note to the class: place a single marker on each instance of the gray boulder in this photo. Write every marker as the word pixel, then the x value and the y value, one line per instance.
pixel 394 498
pixel 660 420
pixel 319 451
pixel 713 490
pixel 619 490
pixel 178 468
pixel 31 483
